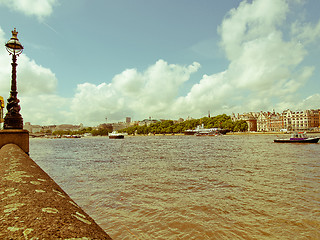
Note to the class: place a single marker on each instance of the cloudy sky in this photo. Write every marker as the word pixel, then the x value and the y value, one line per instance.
pixel 87 60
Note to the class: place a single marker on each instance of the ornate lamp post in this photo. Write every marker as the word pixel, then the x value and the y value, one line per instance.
pixel 13 118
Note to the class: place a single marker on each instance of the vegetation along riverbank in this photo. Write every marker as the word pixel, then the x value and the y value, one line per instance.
pixel 160 127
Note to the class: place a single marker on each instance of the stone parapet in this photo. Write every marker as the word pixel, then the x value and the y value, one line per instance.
pixel 33 206
pixel 16 136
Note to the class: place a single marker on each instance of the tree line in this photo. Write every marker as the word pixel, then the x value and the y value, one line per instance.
pixel 168 126
pixel 94 132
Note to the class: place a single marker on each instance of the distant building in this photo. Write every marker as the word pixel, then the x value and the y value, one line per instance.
pixel 180 120
pixel 275 122
pixel 269 122
pixel 107 126
pixel 250 118
pixel 120 125
pixel 32 128
pixel 301 120
pixel 68 127
pixel 147 122
pixel 51 128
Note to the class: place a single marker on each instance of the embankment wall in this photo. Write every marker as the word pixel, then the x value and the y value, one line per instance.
pixel 33 206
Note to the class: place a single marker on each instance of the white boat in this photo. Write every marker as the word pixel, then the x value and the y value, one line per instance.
pixel 116 135
pixel 298 138
pixel 201 131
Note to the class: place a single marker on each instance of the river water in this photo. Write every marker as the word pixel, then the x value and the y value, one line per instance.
pixel 188 187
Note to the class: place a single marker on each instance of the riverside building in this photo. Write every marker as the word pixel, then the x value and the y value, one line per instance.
pixel 288 120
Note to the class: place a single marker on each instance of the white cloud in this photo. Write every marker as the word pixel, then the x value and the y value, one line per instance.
pixel 45 109
pixel 248 22
pixel 38 8
pixel 262 64
pixel 35 79
pixel 209 94
pixel 132 93
pixel 265 62
pixel 306 32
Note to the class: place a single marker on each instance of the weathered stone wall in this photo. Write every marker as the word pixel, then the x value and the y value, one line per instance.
pixel 19 137
pixel 33 206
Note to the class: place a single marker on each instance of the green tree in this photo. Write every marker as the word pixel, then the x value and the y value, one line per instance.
pixel 100 132
pixel 240 126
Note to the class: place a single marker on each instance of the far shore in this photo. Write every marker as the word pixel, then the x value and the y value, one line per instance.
pixel 256 133
pixel 178 134
pixel 267 133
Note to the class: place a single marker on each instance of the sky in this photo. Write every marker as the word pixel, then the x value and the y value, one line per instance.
pixel 97 61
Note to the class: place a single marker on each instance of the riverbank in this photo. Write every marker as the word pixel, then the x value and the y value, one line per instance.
pixel 164 134
pixel 255 133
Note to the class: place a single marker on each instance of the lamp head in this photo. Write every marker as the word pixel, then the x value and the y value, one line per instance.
pixel 13 45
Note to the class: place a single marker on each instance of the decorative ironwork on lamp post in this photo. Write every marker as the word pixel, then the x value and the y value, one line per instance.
pixel 13 118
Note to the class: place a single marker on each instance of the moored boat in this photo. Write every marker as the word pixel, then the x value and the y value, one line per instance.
pixel 298 138
pixel 201 131
pixel 115 135
pixel 213 133
pixel 190 132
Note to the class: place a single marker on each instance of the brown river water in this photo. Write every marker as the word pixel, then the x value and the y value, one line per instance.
pixel 188 187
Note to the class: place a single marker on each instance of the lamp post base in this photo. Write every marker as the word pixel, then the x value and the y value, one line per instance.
pixel 13 121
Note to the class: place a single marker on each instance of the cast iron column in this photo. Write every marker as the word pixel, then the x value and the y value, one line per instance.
pixel 13 118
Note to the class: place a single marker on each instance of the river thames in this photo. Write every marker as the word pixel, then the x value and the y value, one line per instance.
pixel 188 187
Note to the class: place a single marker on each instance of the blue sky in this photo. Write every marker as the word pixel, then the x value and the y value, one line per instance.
pixel 88 60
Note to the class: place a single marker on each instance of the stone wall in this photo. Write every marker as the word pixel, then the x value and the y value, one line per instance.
pixel 33 206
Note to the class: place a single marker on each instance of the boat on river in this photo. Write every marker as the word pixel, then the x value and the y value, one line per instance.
pixel 212 133
pixel 116 135
pixel 298 138
pixel 201 131
pixel 190 132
